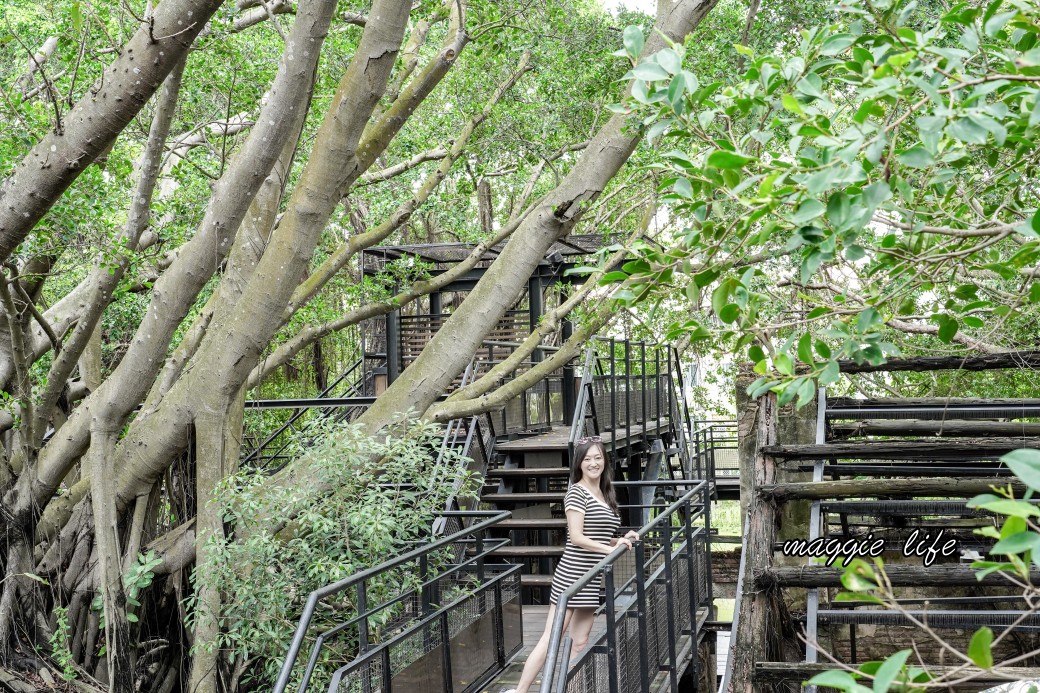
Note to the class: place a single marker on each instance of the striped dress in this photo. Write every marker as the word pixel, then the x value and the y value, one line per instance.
pixel 600 525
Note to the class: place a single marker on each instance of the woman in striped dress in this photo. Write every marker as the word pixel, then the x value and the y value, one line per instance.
pixel 592 520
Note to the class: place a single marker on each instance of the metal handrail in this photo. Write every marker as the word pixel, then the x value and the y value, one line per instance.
pixel 361 577
pixel 605 568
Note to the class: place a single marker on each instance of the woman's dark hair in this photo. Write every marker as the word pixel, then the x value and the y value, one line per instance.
pixel 605 479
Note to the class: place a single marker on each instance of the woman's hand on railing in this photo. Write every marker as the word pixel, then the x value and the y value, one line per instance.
pixel 624 541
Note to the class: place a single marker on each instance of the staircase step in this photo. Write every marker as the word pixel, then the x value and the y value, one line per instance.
pixel 777 672
pixel 509 498
pixel 533 523
pixel 526 551
pixel 937 618
pixel 512 472
pixel 536 580
pixel 898 469
pixel 936 575
pixel 917 449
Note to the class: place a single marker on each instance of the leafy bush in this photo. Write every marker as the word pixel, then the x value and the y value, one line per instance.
pixel 386 494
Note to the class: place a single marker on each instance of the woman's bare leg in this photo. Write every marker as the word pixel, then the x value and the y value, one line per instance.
pixel 536 660
pixel 581 625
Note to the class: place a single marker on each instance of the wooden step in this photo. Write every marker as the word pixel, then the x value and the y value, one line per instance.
pixel 535 581
pixel 971 469
pixel 533 523
pixel 528 551
pixel 938 575
pixel 524 472
pixel 953 449
pixel 777 672
pixel 860 488
pixel 510 498
pixel 948 428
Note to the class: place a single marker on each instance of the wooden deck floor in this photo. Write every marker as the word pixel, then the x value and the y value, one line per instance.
pixel 557 438
pixel 534 626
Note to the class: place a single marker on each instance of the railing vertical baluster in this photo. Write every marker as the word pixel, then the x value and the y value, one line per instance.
pixel 500 625
pixel 666 530
pixel 641 616
pixel 691 583
pixel 657 385
pixel 424 596
pixel 613 403
pixel 478 539
pixel 688 531
pixel 612 653
pixel 628 404
pixel 386 671
pixel 643 393
pixel 362 607
pixel 449 684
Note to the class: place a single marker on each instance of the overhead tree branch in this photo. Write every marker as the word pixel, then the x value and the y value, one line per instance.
pixel 339 257
pixel 93 124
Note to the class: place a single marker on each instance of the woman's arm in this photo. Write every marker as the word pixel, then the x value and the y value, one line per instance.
pixel 576 534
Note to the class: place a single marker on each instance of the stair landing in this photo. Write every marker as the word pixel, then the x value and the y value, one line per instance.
pixel 557 438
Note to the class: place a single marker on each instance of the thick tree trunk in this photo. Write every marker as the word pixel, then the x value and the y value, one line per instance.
pixel 110 556
pixel 218 437
pixel 753 620
pixel 95 122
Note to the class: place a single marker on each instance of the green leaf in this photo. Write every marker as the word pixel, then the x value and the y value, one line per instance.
pixel 683 188
pixel 889 670
pixel 650 72
pixel 836 44
pixel 669 60
pixel 729 313
pixel 841 680
pixel 1013 508
pixel 948 327
pixel 783 364
pixel 1025 463
pixel 791 104
pixel 805 353
pixel 854 582
pixel 916 157
pixel 807 211
pixel 633 40
pixel 979 650
pixel 1017 543
pixel 720 297
pixel 817 312
pixel 830 373
pixel 728 160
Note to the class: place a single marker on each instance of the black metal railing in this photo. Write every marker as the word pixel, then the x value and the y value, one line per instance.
pixel 452 629
pixel 343 400
pixel 657 597
pixel 715 451
pixel 626 391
